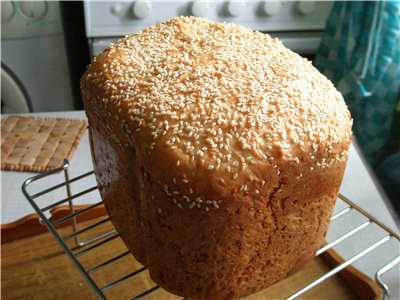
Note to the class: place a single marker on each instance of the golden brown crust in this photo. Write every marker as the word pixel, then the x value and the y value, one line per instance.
pixel 38 144
pixel 219 154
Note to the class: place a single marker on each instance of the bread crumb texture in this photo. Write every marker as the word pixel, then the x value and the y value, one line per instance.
pixel 201 99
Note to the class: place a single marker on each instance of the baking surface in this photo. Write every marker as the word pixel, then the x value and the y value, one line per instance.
pixel 37 266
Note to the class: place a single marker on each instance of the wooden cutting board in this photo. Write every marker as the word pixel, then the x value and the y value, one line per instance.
pixel 37 268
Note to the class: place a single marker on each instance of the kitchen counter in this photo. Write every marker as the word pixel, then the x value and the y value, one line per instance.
pixel 357 185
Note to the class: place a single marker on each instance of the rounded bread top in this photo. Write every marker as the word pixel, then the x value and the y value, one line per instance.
pixel 218 95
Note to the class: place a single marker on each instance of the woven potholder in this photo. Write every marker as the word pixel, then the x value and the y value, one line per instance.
pixel 38 144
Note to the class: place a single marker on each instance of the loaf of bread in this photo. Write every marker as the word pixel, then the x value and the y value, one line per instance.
pixel 218 152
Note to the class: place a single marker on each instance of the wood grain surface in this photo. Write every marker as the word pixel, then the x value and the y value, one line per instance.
pixel 30 225
pixel 37 268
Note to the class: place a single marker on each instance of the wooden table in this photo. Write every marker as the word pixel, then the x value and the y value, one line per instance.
pixel 37 268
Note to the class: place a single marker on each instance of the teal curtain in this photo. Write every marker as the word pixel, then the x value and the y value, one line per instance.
pixel 360 54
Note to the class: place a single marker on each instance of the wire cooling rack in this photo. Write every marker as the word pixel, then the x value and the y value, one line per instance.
pixel 88 245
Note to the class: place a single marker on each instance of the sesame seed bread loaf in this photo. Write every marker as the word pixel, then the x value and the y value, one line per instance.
pixel 218 152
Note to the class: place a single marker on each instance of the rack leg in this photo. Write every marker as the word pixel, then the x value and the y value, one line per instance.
pixel 71 207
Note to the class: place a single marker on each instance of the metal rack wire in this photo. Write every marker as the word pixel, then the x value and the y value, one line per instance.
pixel 110 235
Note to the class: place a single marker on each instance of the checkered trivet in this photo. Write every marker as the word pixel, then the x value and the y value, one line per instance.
pixel 38 144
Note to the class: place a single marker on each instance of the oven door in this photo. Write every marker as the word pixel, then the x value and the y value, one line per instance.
pixel 14 98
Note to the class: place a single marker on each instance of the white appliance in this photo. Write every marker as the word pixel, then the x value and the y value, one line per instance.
pixel 34 67
pixel 297 23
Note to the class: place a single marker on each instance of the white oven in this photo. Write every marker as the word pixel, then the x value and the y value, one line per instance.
pixel 298 24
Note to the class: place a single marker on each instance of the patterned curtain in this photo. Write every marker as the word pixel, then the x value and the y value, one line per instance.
pixel 360 54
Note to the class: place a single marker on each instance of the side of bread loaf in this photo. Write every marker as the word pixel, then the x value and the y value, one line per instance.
pixel 218 152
